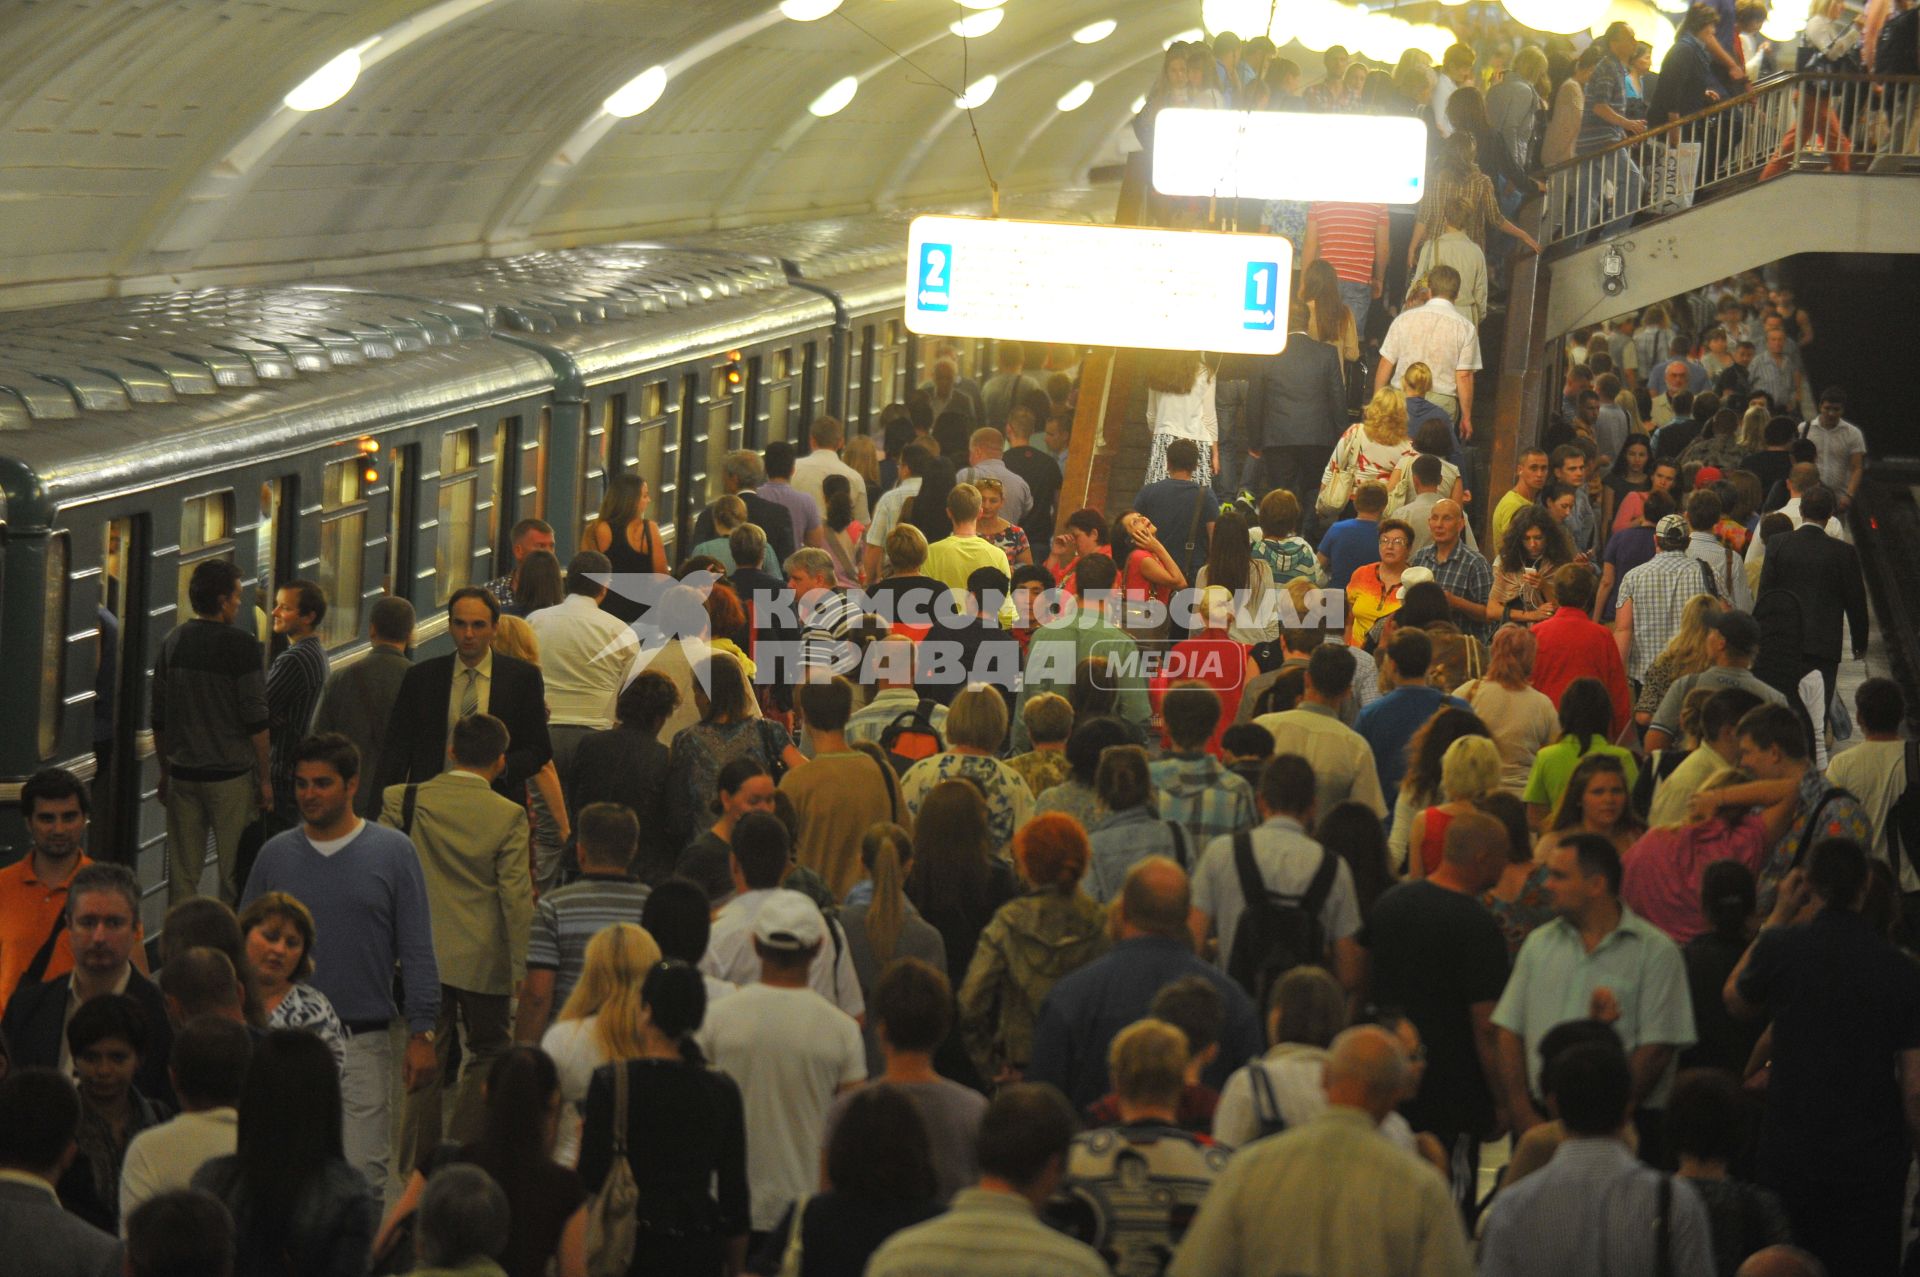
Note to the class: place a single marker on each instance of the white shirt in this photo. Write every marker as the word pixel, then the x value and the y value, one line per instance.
pixel 1194 415
pixel 1836 449
pixel 810 476
pixel 1295 1071
pixel 730 955
pixel 790 1056
pixel 574 1046
pixel 332 845
pixel 1443 90
pixel 163 1158
pixel 1436 335
pixel 586 657
pixel 886 515
pixel 1875 772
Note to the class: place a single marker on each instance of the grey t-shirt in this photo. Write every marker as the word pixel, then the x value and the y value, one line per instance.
pixel 952 1115
pixel 918 939
pixel 1716 677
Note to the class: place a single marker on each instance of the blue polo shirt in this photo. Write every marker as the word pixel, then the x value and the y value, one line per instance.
pixel 1349 545
pixel 1390 722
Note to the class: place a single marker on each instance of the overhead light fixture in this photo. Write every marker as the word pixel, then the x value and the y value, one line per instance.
pixel 1139 104
pixel 975 25
pixel 807 10
pixel 1095 32
pixel 327 85
pixel 835 99
pixel 981 4
pixel 1185 37
pixel 1556 17
pixel 637 94
pixel 1076 97
pixel 978 92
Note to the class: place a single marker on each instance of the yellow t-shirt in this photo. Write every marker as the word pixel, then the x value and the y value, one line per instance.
pixel 953 559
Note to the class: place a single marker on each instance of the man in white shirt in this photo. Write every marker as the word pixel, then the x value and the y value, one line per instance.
pixel 810 472
pixel 787 1050
pixel 984 448
pixel 586 656
pixel 1842 448
pixel 762 855
pixel 1443 339
pixel 209 1063
pixel 886 515
pixel 1804 476
pixel 1456 72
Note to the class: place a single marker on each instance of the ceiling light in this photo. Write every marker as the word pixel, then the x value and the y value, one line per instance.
pixel 978 92
pixel 1185 37
pixel 639 93
pixel 1076 97
pixel 981 4
pixel 1139 104
pixel 327 85
pixel 975 25
pixel 1556 17
pixel 808 10
pixel 1096 32
pixel 835 99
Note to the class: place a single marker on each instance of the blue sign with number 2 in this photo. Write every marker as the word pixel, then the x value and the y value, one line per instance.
pixel 936 276
pixel 1263 290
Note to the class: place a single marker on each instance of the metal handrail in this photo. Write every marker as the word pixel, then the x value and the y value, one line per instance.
pixel 1793 123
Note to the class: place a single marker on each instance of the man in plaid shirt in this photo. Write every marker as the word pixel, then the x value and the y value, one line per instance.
pixel 1195 789
pixel 1461 572
pixel 1654 597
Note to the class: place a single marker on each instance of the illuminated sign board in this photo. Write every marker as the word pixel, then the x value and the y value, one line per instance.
pixel 1280 155
pixel 1098 285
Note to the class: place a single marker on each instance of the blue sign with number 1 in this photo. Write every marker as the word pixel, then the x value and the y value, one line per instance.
pixel 1263 290
pixel 936 276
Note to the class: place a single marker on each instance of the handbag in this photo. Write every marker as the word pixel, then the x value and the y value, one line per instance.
pixel 613 1228
pixel 1336 490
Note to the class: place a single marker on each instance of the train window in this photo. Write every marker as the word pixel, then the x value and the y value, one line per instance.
pixel 206 520
pixel 810 387
pixel 533 468
pixel 402 519
pixel 861 399
pixel 719 426
pixel 782 364
pixel 653 401
pixel 343 540
pixel 613 420
pixel 777 389
pixel 459 494
pixel 500 511
pixel 650 448
pixel 890 361
pixel 53 647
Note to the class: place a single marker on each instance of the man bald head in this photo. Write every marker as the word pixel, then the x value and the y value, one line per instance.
pixel 1155 900
pixel 1475 848
pixel 1366 1069
pixel 1445 523
pixel 1781 1261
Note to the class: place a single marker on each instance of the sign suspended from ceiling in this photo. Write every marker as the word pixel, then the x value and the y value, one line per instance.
pixel 1284 155
pixel 1098 285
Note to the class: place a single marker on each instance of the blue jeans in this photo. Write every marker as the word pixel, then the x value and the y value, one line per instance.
pixel 1359 299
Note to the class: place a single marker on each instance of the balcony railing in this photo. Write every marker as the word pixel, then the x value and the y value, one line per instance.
pixel 1793 123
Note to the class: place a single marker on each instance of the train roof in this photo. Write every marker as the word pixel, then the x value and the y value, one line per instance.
pixel 105 396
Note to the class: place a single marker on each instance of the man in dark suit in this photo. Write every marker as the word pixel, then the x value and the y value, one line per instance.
pixel 102 907
pixel 1823 574
pixel 438 693
pixel 740 474
pixel 359 697
pixel 1299 404
pixel 1042 475
pixel 39 1123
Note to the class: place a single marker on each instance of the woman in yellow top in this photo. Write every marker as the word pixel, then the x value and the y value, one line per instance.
pixel 1374 589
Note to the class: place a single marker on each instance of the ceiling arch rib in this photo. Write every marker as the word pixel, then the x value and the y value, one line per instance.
pixel 1118 69
pixel 201 210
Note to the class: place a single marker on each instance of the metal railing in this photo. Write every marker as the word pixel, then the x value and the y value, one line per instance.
pixel 1792 123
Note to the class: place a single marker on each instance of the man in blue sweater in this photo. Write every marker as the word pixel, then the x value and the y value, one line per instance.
pixel 1389 723
pixel 363 885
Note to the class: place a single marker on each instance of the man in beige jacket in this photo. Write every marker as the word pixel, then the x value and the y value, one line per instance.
pixel 473 853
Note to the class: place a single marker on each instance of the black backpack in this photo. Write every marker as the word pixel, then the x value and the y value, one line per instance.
pixel 911 736
pixel 1276 932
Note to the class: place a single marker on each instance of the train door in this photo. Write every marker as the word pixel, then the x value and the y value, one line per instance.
pixel 118 692
pixel 274 556
pixel 403 466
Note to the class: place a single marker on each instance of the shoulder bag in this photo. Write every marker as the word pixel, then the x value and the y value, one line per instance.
pixel 1335 493
pixel 613 1228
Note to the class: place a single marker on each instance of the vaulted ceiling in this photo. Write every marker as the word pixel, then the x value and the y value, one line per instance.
pixel 147 144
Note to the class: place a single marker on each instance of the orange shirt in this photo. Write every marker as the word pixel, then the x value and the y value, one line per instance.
pixel 29 909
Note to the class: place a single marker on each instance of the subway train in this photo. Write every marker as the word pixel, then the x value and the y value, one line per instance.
pixel 383 433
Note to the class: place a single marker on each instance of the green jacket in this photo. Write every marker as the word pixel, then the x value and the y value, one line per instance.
pixel 1025 950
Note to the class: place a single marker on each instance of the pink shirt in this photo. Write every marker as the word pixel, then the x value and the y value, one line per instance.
pixel 1662 872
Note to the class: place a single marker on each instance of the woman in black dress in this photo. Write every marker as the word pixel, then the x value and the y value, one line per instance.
pixel 685 1132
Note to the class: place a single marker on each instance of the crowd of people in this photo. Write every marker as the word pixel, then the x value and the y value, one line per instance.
pixel 905 873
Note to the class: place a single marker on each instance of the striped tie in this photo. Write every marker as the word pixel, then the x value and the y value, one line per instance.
pixel 470 695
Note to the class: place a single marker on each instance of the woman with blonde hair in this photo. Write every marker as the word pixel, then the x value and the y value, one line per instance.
pixel 1030 944
pixel 881 922
pixel 1421 787
pixel 864 460
pixel 514 637
pixel 1520 717
pixel 1369 452
pixel 1470 770
pixel 623 532
pixel 1685 653
pixel 600 1022
pixel 1662 873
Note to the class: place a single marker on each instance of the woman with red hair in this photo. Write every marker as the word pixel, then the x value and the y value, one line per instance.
pixel 1029 946
pixel 1520 718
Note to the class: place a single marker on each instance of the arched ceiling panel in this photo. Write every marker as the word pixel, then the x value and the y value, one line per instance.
pixel 144 144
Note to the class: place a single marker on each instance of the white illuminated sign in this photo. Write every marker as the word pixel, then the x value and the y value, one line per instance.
pixel 1281 155
pixel 1098 285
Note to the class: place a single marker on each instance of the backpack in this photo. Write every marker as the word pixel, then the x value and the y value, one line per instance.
pixel 1276 932
pixel 1811 833
pixel 911 736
